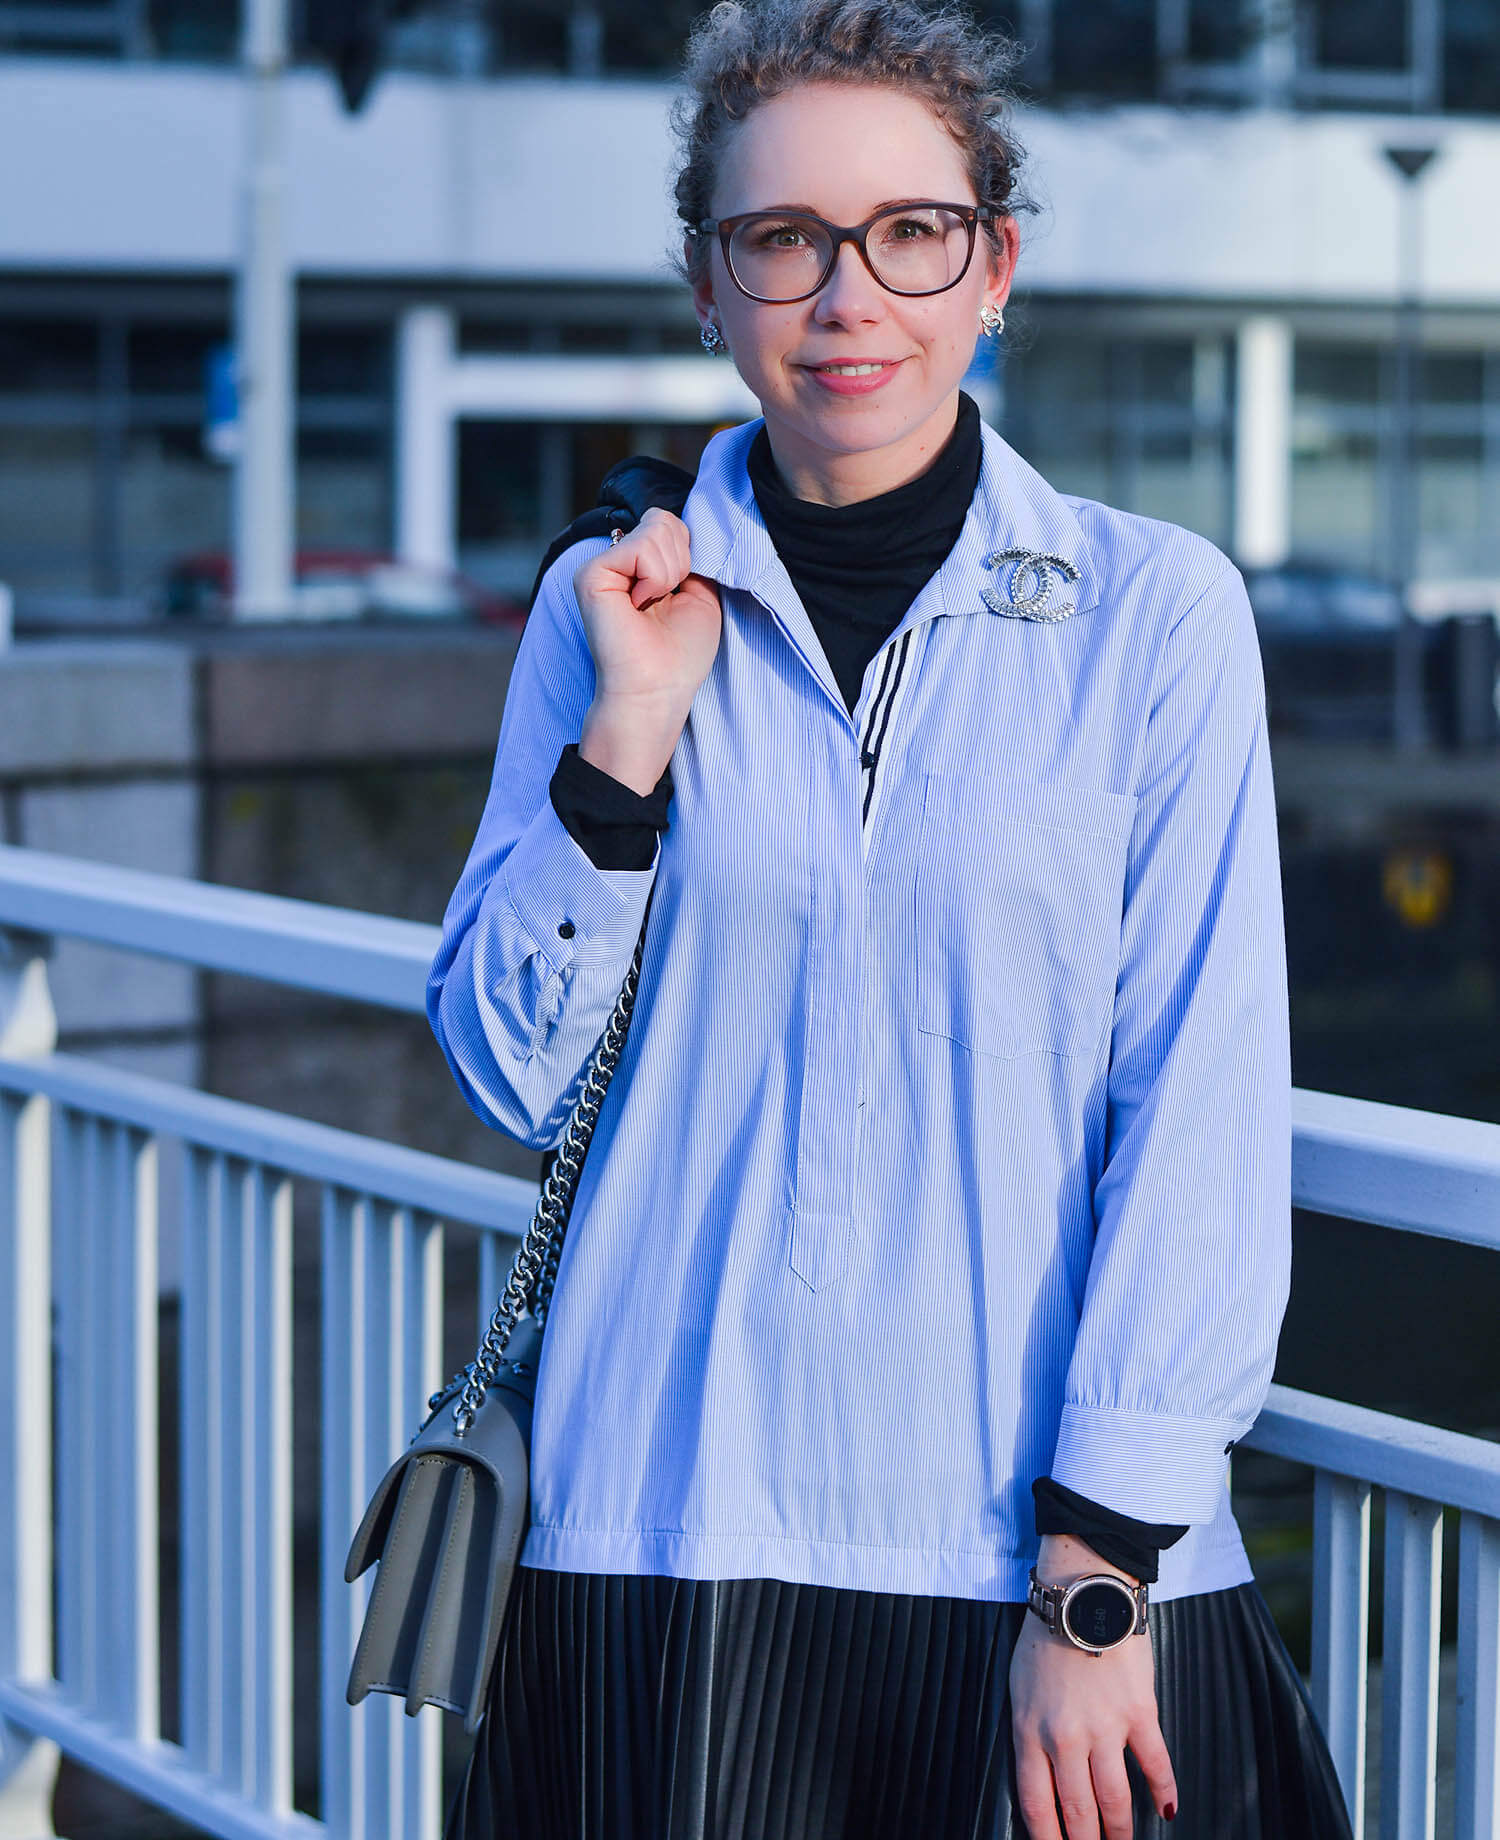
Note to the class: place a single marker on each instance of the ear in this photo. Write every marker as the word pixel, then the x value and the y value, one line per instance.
pixel 703 287
pixel 1001 262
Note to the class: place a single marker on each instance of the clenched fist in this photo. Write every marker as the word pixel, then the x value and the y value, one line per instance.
pixel 653 628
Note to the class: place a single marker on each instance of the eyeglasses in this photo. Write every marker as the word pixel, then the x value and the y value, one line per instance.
pixel 919 248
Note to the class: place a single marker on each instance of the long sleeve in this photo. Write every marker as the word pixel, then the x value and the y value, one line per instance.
pixel 536 940
pixel 1190 1268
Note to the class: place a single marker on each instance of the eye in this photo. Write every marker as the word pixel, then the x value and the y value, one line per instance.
pixel 781 234
pixel 911 228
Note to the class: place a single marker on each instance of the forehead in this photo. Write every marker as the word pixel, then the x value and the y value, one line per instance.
pixel 841 149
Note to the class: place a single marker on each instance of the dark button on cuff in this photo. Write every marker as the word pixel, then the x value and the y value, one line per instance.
pixel 566 930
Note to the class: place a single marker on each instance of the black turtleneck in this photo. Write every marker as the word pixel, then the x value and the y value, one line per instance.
pixel 858 568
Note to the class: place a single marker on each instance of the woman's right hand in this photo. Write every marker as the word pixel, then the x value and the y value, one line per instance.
pixel 653 628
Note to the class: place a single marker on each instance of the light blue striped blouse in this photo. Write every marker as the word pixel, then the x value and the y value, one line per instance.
pixel 951 1143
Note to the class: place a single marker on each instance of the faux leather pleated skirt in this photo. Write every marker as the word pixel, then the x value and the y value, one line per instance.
pixel 647 1708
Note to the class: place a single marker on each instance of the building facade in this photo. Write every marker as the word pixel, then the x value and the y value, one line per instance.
pixel 1205 328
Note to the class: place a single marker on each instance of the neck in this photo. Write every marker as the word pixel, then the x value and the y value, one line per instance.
pixel 829 478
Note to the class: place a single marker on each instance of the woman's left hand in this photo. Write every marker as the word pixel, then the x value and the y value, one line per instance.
pixel 1074 1714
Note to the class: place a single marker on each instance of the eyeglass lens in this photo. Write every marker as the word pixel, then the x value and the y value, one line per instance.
pixel 782 256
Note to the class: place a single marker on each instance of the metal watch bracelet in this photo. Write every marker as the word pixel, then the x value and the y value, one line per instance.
pixel 1095 1612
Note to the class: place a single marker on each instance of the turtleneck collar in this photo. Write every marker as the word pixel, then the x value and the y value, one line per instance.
pixel 864 563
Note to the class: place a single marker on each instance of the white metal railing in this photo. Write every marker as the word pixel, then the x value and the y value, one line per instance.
pixel 83 1148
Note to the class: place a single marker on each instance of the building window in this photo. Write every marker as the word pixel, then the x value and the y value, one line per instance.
pixel 343 489
pixel 1344 458
pixel 1471 56
pixel 175 501
pixel 1143 424
pixel 1104 47
pixel 46 508
pixel 1362 34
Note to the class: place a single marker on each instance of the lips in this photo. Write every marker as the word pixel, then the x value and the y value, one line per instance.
pixel 853 376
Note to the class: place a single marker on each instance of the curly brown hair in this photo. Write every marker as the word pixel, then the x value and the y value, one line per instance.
pixel 744 52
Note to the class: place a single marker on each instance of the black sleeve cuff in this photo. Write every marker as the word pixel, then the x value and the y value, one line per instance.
pixel 615 827
pixel 1135 1546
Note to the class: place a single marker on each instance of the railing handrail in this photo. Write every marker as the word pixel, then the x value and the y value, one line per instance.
pixel 435 1185
pixel 1404 1454
pixel 1387 1165
pixel 337 950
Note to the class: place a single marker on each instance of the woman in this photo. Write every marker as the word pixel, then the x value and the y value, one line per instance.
pixel 949 1151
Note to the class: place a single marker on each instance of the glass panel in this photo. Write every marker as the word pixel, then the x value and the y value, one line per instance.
pixel 175 501
pixel 501 469
pixel 1185 479
pixel 1457 537
pixel 1362 34
pixel 168 360
pixel 1104 47
pixel 1337 374
pixel 343 490
pixel 1216 33
pixel 650 38
pixel 206 30
pixel 498 470
pixel 38 356
pixel 1336 511
pixel 534 34
pixel 344 361
pixel 1471 55
pixel 1167 374
pixel 1453 377
pixel 46 509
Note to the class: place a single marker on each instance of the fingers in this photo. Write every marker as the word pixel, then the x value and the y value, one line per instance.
pixel 1035 1790
pixel 1150 1749
pixel 1075 1792
pixel 1111 1790
pixel 654 557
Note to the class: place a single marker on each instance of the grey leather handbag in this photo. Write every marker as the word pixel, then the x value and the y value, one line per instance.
pixel 446 1523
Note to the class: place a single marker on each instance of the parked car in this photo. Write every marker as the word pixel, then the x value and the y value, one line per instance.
pixel 1321 599
pixel 1328 647
pixel 342 585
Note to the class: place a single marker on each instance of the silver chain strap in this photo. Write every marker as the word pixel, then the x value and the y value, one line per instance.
pixel 533 1271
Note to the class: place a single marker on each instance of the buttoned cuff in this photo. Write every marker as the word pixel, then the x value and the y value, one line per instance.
pixel 1151 1466
pixel 567 907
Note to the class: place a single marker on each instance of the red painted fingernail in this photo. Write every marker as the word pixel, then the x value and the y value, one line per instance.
pixel 1170 1811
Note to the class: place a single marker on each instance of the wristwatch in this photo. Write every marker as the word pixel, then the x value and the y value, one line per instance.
pixel 1095 1613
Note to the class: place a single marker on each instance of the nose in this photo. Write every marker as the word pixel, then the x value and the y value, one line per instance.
pixel 851 295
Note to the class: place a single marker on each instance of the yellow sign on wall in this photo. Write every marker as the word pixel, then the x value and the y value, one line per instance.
pixel 1418 884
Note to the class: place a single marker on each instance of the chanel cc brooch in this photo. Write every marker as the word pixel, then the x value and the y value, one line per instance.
pixel 1029 578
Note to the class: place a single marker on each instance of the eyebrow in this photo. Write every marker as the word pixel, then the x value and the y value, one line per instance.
pixel 886 204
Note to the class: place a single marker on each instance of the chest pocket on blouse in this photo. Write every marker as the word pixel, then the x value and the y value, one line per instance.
pixel 1019 895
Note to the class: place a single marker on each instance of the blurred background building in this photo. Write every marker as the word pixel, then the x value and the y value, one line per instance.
pixel 1210 296
pixel 1235 310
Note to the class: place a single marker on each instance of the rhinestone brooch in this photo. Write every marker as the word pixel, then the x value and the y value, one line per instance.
pixel 1028 567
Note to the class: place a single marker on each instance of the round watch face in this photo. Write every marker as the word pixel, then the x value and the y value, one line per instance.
pixel 1100 1615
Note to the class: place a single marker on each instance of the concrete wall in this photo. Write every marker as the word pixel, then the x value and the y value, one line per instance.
pixel 330 765
pixel 141 164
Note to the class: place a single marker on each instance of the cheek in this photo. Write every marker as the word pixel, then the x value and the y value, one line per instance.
pixel 760 338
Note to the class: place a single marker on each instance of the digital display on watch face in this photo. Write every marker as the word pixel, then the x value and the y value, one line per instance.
pixel 1099 1615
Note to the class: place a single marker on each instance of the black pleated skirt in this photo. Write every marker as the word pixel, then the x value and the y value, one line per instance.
pixel 648 1708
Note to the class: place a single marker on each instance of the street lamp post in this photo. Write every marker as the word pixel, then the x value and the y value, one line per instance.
pixel 264 350
pixel 1405 487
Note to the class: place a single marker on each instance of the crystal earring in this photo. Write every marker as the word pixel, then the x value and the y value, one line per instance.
pixel 992 319
pixel 713 339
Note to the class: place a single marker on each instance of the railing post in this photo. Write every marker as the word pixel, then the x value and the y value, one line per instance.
pixel 28 1029
pixel 1340 1628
